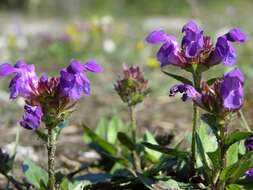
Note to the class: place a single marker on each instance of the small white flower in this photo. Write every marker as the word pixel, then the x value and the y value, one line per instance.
pixel 109 45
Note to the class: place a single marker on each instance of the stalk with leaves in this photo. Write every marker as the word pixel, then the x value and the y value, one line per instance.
pixel 195 55
pixel 132 88
pixel 50 100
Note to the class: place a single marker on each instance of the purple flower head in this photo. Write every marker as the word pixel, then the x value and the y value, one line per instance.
pixel 32 118
pixel 132 87
pixel 196 48
pixel 224 96
pixel 231 90
pixel 193 40
pixel 25 80
pixel 74 82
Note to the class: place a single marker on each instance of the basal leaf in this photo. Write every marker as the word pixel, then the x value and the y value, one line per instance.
pixel 106 146
pixel 169 151
pixel 35 174
pixel 152 155
pixel 126 141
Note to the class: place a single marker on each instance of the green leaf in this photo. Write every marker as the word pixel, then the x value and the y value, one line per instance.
pixel 126 141
pixel 237 136
pixel 35 174
pixel 232 154
pixel 215 158
pixel 169 151
pixel 202 155
pixel 178 78
pixel 115 125
pixel 234 187
pixel 107 147
pixel 101 128
pixel 232 173
pixel 211 121
pixel 152 155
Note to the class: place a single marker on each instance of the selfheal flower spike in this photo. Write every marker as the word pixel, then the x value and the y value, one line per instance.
pixel 224 96
pixel 196 48
pixel 132 87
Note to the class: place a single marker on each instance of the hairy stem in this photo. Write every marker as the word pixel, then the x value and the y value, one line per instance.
pixel 136 160
pixel 51 148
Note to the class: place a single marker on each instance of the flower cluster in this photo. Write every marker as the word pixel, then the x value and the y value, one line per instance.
pixel 48 99
pixel 196 48
pixel 132 87
pixel 223 96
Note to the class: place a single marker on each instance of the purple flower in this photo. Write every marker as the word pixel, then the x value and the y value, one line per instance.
pixel 32 117
pixel 193 40
pixel 25 80
pixel 188 91
pixel 226 95
pixel 224 50
pixel 74 82
pixel 196 48
pixel 232 90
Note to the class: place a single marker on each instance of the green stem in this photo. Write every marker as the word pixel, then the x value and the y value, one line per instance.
pixel 223 130
pixel 136 160
pixel 195 118
pixel 51 148
pixel 193 145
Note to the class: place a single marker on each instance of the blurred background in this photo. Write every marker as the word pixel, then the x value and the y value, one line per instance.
pixel 49 33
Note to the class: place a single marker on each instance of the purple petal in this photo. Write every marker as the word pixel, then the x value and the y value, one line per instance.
pixel 32 117
pixel 236 35
pixel 159 36
pixel 224 52
pixel 168 55
pixel 75 67
pixel 6 69
pixel 232 90
pixel 193 40
pixel 191 26
pixel 249 173
pixel 92 66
